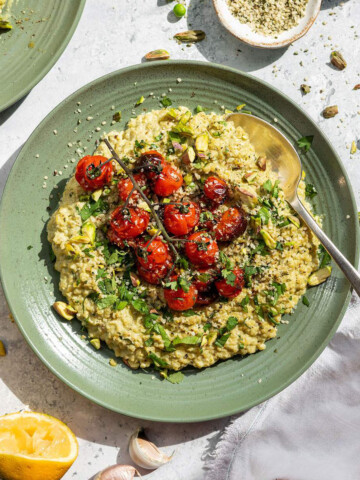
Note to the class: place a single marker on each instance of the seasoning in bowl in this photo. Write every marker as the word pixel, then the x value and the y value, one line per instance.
pixel 269 17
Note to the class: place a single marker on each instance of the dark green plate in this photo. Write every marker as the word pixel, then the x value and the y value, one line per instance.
pixel 225 388
pixel 30 49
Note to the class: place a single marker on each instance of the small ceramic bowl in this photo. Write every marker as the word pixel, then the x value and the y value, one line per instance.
pixel 244 33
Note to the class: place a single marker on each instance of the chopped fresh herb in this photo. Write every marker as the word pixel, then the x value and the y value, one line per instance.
pixel 159 137
pixel 305 301
pixel 157 360
pixel 310 190
pixel 175 378
pixel 149 342
pixel 231 323
pixel 220 342
pixel 264 215
pixel 120 305
pixel 107 301
pixel 189 313
pixel 192 340
pixel 139 145
pixel 245 302
pixel 207 326
pixel 166 101
pixel 101 273
pixel 117 116
pixel 204 216
pixel 140 306
pixel 324 257
pixel 267 186
pixel 305 142
pixel 93 209
pixel 30 247
pixel 162 332
pixel 183 263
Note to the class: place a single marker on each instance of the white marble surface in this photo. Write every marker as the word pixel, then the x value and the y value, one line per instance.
pixel 116 33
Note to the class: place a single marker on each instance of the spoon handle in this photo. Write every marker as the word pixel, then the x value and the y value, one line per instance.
pixel 348 270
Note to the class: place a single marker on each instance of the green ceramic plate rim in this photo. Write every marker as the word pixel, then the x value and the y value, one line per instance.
pixel 298 372
pixel 51 62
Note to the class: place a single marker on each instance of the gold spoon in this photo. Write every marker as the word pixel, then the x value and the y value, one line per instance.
pixel 285 161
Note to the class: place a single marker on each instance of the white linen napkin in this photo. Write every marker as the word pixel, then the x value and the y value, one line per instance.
pixel 309 431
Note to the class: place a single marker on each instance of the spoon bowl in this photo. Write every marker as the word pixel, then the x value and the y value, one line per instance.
pixel 283 159
pixel 269 142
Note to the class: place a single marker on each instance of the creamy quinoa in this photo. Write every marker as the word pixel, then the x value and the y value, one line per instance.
pixel 277 252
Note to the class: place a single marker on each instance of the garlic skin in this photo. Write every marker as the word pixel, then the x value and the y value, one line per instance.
pixel 117 472
pixel 145 453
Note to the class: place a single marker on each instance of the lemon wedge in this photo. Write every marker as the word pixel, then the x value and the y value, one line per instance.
pixel 35 446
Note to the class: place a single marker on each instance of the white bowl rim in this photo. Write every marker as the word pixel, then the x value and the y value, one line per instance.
pixel 244 33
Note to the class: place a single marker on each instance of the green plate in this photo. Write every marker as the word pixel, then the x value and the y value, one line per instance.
pixel 30 281
pixel 30 49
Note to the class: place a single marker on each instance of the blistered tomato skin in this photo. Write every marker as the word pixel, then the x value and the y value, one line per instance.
pixel 125 186
pixel 181 219
pixel 151 163
pixel 206 298
pixel 114 238
pixel 201 249
pixel 179 300
pixel 129 222
pixel 91 175
pixel 231 291
pixel 168 181
pixel 154 254
pixel 154 275
pixel 216 190
pixel 232 224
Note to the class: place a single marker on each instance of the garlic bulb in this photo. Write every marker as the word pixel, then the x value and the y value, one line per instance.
pixel 145 453
pixel 117 472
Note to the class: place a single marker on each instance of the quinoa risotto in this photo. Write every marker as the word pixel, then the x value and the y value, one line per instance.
pixel 232 257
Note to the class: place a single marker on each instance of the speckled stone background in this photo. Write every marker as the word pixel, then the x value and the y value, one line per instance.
pixel 116 33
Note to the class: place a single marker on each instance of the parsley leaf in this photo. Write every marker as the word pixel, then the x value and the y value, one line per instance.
pixel 305 142
pixel 231 323
pixel 157 360
pixel 192 340
pixel 93 209
pixel 310 190
pixel 305 301
pixel 166 101
pixel 324 257
pixel 175 378
pixel 107 301
pixel 220 342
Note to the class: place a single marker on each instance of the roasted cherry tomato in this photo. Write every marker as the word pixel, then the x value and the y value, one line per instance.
pixel 179 299
pixel 151 163
pixel 231 291
pixel 153 255
pixel 129 222
pixel 114 238
pixel 205 298
pixel 155 275
pixel 204 279
pixel 201 250
pixel 216 190
pixel 168 181
pixel 125 186
pixel 182 218
pixel 91 175
pixel 232 224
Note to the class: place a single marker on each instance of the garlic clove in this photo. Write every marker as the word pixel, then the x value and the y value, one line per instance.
pixel 117 472
pixel 145 453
